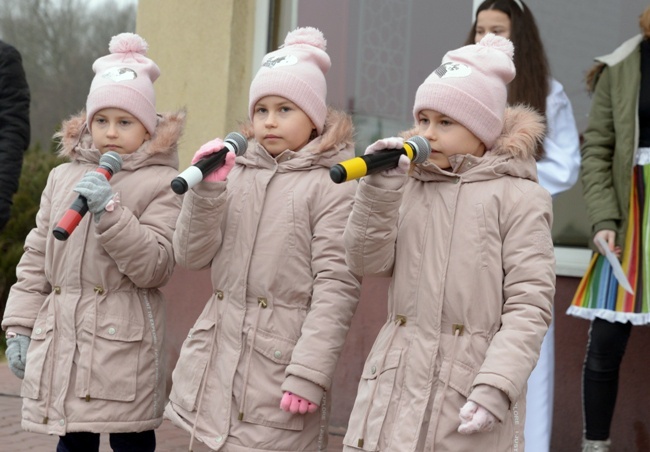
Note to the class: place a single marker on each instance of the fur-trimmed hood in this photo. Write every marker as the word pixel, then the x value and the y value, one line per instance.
pixel 334 145
pixel 513 153
pixel 75 142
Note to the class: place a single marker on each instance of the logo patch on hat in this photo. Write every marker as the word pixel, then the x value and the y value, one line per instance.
pixel 273 62
pixel 453 70
pixel 120 74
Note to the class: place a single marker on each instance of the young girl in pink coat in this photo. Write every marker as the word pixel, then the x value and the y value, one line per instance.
pixel 255 371
pixel 86 317
pixel 466 239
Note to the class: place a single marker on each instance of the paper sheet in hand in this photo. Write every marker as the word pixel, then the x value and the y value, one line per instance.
pixel 616 265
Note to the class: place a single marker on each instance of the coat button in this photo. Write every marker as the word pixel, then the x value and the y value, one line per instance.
pixel 278 354
pixel 57 289
pixel 219 295
pixel 61 422
pixel 39 331
pixel 373 370
pixel 219 438
pixel 111 331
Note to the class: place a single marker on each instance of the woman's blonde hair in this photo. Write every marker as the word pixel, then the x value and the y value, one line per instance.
pixel 644 22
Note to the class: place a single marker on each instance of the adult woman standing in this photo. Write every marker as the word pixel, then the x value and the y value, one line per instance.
pixel 615 172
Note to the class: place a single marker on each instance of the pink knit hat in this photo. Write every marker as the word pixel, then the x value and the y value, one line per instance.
pixel 470 87
pixel 124 79
pixel 296 71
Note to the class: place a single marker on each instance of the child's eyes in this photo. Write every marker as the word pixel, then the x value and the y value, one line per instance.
pixel 285 109
pixel 423 121
pixel 260 110
pixel 125 123
pixel 100 120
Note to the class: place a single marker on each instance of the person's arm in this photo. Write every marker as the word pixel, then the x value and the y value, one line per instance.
pixel 32 287
pixel 597 159
pixel 141 246
pixel 559 169
pixel 335 294
pixel 528 290
pixel 14 125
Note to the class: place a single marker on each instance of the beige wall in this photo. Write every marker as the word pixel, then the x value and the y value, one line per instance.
pixel 203 48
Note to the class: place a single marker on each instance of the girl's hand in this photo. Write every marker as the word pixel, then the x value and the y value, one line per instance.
pixel 474 418
pixel 609 237
pixel 209 148
pixel 296 404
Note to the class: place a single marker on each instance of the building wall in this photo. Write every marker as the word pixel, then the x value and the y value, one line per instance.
pixel 203 48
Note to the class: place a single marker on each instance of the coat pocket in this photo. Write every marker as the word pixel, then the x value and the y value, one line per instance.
pixel 108 366
pixel 37 357
pixel 270 357
pixel 190 367
pixel 373 396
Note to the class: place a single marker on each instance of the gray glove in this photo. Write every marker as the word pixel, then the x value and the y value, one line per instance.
pixel 95 188
pixel 17 354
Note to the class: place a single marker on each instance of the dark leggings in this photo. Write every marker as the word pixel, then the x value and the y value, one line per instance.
pixel 120 442
pixel 605 350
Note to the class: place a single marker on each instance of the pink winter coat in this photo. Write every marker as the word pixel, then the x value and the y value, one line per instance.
pixel 283 297
pixel 92 303
pixel 472 265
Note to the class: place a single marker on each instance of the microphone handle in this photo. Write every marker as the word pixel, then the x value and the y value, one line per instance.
pixel 365 164
pixel 212 161
pixel 195 173
pixel 71 218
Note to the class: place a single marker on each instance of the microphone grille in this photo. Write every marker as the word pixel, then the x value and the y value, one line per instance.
pixel 239 142
pixel 422 148
pixel 112 160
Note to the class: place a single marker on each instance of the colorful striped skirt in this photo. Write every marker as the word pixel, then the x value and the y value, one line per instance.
pixel 599 294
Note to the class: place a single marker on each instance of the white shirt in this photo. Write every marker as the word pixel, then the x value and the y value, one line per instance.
pixel 558 170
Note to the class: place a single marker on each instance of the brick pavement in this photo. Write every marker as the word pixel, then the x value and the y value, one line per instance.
pixel 14 439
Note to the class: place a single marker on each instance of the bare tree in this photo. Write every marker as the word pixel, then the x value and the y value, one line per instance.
pixel 59 40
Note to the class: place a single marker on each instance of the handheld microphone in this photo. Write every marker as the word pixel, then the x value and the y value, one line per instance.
pixel 234 142
pixel 417 149
pixel 109 164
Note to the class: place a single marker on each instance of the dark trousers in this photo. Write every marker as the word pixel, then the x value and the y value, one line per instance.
pixel 605 350
pixel 120 442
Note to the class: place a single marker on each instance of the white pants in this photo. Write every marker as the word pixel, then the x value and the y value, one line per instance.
pixel 539 398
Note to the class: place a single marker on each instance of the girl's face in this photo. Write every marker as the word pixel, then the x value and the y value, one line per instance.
pixel 278 125
pixel 492 21
pixel 114 129
pixel 447 137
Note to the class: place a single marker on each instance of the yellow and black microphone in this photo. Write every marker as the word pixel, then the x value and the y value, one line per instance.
pixel 417 149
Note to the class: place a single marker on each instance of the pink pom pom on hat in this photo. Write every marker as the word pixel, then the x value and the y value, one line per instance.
pixel 124 79
pixel 471 87
pixel 296 71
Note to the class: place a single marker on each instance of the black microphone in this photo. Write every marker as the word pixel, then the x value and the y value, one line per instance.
pixel 109 164
pixel 417 149
pixel 234 142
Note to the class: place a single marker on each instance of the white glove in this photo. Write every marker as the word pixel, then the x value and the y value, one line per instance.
pixel 474 419
pixel 391 143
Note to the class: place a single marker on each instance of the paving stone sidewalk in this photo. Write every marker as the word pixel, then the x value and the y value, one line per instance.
pixel 14 439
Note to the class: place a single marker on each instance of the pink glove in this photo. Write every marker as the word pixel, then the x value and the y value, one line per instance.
pixel 220 174
pixel 296 404
pixel 474 418
pixel 391 143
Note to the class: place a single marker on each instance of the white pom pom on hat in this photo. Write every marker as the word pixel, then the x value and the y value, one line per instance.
pixel 471 87
pixel 296 71
pixel 124 79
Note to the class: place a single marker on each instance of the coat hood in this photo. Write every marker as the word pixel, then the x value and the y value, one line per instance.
pixel 75 142
pixel 513 153
pixel 334 145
